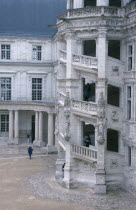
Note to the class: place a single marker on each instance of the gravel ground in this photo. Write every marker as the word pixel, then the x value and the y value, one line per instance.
pixel 44 185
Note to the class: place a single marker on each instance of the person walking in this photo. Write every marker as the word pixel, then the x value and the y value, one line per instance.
pixel 30 151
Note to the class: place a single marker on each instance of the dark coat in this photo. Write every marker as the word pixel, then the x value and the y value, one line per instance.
pixel 30 150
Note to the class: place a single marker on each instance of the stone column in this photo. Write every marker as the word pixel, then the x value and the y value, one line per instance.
pixel 16 125
pixel 103 3
pixel 40 126
pixel 102 53
pixel 50 129
pixel 78 4
pixel 101 93
pixel 11 125
pixel 68 4
pixel 70 72
pixel 36 125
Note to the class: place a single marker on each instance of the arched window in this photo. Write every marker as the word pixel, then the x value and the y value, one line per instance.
pixel 112 140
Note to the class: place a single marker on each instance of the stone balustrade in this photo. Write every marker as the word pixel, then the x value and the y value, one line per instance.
pixel 84 106
pixel 63 55
pixel 84 60
pixel 84 152
pixel 92 12
pixel 130 8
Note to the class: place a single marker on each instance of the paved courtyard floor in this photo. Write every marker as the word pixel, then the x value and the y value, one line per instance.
pixel 30 185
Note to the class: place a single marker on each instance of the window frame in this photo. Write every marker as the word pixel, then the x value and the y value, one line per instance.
pixel 130 56
pixel 129 100
pixel 6 52
pixel 4 123
pixel 5 93
pixel 36 53
pixel 37 90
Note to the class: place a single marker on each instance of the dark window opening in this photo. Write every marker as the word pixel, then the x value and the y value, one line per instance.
pixel 88 135
pixel 112 140
pixel 89 3
pixel 89 48
pixel 88 91
pixel 114 49
pixel 113 95
pixel 129 156
pixel 115 3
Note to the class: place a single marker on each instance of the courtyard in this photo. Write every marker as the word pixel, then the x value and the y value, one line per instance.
pixel 30 184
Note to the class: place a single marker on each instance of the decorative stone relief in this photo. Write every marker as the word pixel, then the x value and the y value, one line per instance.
pixel 100 179
pixel 114 116
pixel 101 120
pixel 114 164
pixel 115 68
pixel 67 117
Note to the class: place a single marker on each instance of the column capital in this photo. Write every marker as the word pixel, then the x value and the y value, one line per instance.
pixel 102 33
pixel 70 35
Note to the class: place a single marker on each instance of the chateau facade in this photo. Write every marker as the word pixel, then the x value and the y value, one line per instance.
pixel 75 91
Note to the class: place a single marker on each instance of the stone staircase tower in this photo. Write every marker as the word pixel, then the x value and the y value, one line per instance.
pixel 89 94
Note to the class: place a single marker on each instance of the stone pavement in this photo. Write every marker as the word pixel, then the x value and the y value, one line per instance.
pixel 30 184
pixel 15 192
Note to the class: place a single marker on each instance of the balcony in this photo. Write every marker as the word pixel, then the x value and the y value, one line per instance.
pixel 63 56
pixel 84 153
pixel 85 63
pixel 84 107
pixel 92 12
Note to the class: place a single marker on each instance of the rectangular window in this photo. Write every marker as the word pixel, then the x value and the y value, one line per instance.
pixel 129 103
pixel 112 140
pixel 89 48
pixel 5 89
pixel 37 53
pixel 114 49
pixel 4 123
pixel 5 52
pixel 130 57
pixel 36 89
pixel 88 3
pixel 113 95
pixel 129 157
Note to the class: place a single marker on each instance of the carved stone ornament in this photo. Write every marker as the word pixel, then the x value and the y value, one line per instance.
pixel 67 117
pixel 67 100
pixel 115 68
pixel 114 116
pixel 67 129
pixel 101 120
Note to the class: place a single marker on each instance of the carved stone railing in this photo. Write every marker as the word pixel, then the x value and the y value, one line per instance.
pixel 84 106
pixel 63 55
pixel 92 12
pixel 61 98
pixel 86 61
pixel 84 152
pixel 130 8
